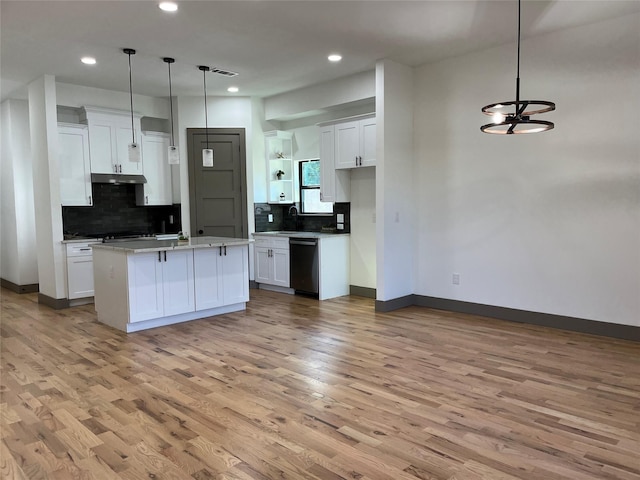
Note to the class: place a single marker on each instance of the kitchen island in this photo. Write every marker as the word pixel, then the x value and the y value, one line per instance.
pixel 145 284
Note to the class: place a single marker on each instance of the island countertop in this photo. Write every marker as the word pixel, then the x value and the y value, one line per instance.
pixel 142 246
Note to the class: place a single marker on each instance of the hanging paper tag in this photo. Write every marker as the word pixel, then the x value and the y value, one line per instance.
pixel 174 155
pixel 207 157
pixel 134 153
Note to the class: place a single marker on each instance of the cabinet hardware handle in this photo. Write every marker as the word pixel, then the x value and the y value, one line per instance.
pixel 84 249
pixel 146 199
pixel 165 255
pixel 159 259
pixel 219 251
pixel 115 169
pixel 356 160
pixel 90 200
pixel 225 250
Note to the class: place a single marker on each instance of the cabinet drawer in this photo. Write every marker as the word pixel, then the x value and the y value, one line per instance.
pixel 272 242
pixel 79 249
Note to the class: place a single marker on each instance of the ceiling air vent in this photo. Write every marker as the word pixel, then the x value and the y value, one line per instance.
pixel 225 73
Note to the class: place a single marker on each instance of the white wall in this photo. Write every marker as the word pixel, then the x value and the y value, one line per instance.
pixel 318 98
pixel 79 96
pixel 46 186
pixel 395 212
pixel 18 263
pixel 222 112
pixel 548 222
pixel 363 227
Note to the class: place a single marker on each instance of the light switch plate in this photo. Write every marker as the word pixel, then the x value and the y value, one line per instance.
pixel 270 217
pixel 340 218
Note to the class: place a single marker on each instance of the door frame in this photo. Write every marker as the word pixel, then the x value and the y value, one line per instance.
pixel 241 132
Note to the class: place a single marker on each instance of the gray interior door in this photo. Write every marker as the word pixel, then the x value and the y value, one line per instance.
pixel 218 194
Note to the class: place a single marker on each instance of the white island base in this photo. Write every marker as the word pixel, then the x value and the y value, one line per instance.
pixel 141 285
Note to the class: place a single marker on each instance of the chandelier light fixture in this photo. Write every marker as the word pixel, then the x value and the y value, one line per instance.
pixel 514 117
pixel 207 153
pixel 134 149
pixel 174 154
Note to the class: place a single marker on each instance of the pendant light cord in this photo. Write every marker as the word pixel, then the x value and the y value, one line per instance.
pixel 206 123
pixel 171 104
pixel 518 68
pixel 133 130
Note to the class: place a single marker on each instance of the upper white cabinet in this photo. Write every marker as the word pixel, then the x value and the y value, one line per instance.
pixel 355 143
pixel 74 165
pixel 279 157
pixel 156 169
pixel 335 185
pixel 109 139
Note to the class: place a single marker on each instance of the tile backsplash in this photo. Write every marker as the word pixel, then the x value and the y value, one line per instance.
pixel 283 220
pixel 114 210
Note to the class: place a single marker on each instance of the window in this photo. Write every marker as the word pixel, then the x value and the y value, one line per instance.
pixel 309 171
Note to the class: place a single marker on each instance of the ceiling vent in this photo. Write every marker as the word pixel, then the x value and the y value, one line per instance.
pixel 225 73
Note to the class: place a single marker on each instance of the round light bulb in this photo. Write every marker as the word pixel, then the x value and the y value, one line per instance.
pixel 232 89
pixel 334 57
pixel 88 60
pixel 168 6
pixel 497 117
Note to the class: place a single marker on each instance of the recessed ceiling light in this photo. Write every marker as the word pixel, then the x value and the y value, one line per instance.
pixel 232 89
pixel 168 6
pixel 88 60
pixel 334 57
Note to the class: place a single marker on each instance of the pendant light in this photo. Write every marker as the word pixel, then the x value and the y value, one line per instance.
pixel 134 150
pixel 173 153
pixel 207 153
pixel 515 116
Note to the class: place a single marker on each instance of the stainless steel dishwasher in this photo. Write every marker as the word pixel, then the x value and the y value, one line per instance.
pixel 304 265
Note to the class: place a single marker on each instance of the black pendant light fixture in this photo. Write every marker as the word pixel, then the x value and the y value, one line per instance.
pixel 514 117
pixel 134 150
pixel 174 154
pixel 207 153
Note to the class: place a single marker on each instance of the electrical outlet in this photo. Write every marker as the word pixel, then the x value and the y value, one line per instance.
pixel 340 226
pixel 271 218
pixel 456 279
pixel 340 218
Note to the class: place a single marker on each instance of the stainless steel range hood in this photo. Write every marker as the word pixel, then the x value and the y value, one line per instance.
pixel 117 179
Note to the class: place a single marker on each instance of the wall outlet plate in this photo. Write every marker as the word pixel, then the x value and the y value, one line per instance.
pixel 271 218
pixel 340 226
pixel 340 218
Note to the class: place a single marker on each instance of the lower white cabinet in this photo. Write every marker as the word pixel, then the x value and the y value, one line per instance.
pixel 160 284
pixel 79 271
pixel 272 260
pixel 222 276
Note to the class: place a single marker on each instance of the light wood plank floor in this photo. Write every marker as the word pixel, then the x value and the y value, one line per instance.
pixel 294 388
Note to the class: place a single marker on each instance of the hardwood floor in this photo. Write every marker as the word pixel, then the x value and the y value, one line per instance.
pixel 294 388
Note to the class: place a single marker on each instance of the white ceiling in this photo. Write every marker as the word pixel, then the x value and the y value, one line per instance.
pixel 275 46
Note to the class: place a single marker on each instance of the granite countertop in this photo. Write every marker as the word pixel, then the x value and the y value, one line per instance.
pixel 142 246
pixel 283 233
pixel 81 240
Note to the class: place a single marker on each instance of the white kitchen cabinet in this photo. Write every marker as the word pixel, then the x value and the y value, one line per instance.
pixel 221 276
pixel 355 143
pixel 160 284
pixel 109 139
pixel 272 260
pixel 74 165
pixel 79 270
pixel 280 171
pixel 335 184
pixel 156 169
